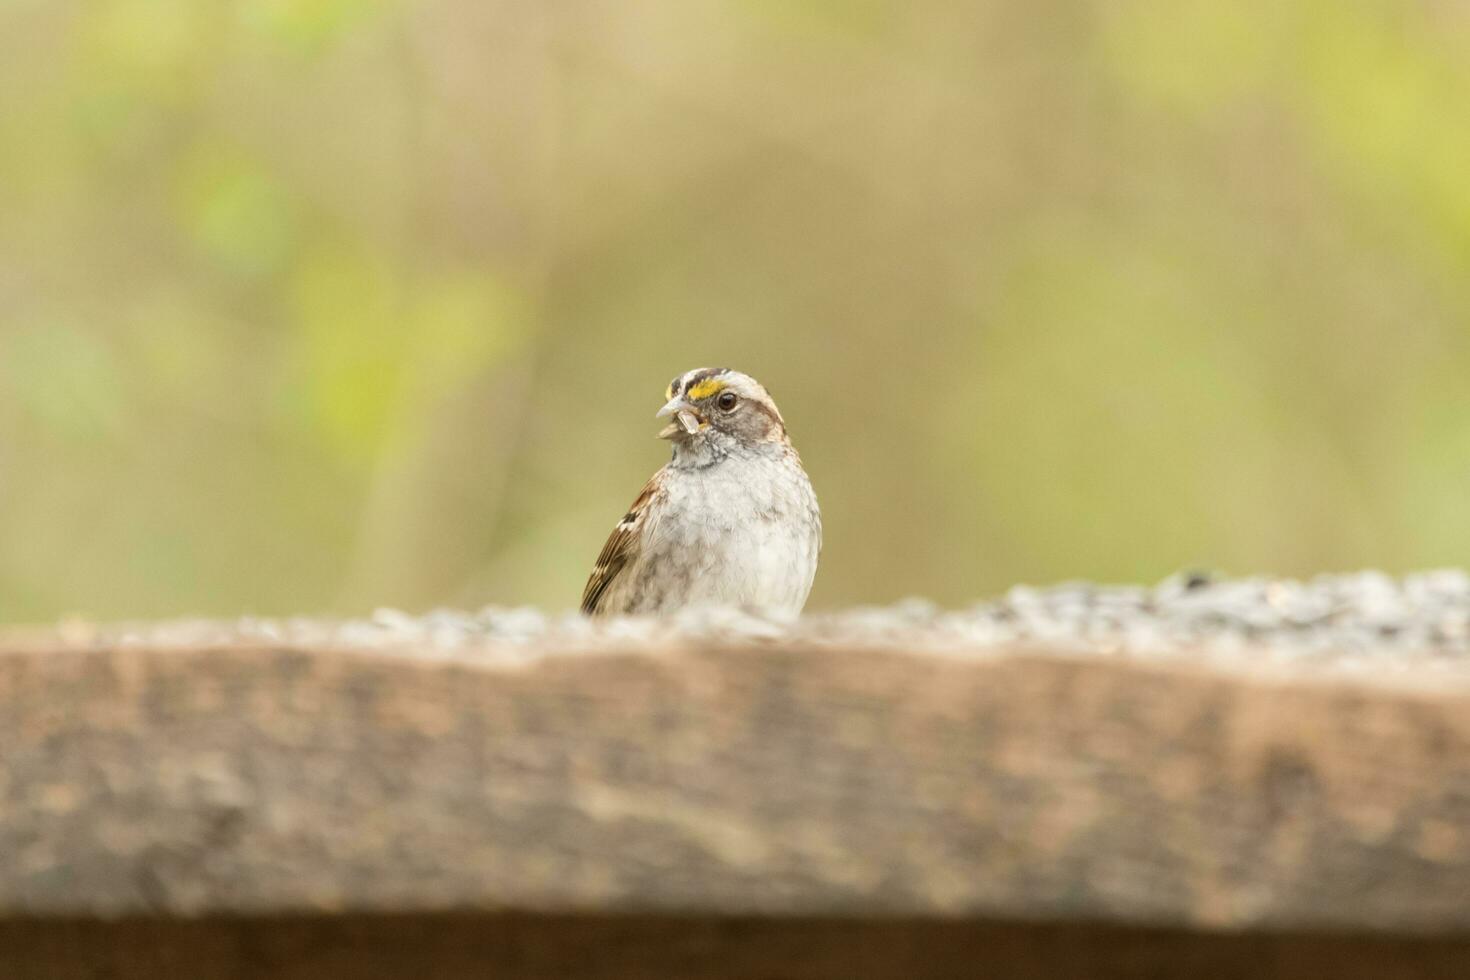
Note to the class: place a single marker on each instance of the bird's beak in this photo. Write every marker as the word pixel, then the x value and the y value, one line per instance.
pixel 686 419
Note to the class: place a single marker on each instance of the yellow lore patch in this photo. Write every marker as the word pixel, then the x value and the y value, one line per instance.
pixel 704 389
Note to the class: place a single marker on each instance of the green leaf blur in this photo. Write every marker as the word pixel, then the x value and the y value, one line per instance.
pixel 309 307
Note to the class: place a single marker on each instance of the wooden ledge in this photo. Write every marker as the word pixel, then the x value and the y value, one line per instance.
pixel 763 782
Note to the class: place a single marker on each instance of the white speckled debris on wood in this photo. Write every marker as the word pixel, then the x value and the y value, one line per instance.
pixel 1351 623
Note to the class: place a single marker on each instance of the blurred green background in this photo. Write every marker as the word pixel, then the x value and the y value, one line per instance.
pixel 314 305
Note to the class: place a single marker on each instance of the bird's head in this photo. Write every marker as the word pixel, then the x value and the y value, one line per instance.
pixel 720 411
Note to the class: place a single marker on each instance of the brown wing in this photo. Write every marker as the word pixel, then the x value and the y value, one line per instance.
pixel 621 548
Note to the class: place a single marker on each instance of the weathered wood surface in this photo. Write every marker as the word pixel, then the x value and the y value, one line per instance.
pixel 801 789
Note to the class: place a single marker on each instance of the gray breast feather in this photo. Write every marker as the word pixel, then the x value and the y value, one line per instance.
pixel 744 532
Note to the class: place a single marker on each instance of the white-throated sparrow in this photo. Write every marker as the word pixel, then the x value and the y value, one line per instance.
pixel 730 520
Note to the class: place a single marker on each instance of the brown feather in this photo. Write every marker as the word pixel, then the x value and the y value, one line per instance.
pixel 621 548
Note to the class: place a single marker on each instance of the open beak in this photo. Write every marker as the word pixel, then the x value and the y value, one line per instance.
pixel 686 419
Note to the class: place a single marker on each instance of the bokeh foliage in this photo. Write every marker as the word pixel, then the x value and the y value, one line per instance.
pixel 310 306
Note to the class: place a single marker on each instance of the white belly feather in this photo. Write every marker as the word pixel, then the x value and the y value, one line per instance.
pixel 743 532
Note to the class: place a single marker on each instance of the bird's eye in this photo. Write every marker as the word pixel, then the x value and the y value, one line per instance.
pixel 726 401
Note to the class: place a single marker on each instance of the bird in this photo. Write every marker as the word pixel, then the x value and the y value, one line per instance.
pixel 730 520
